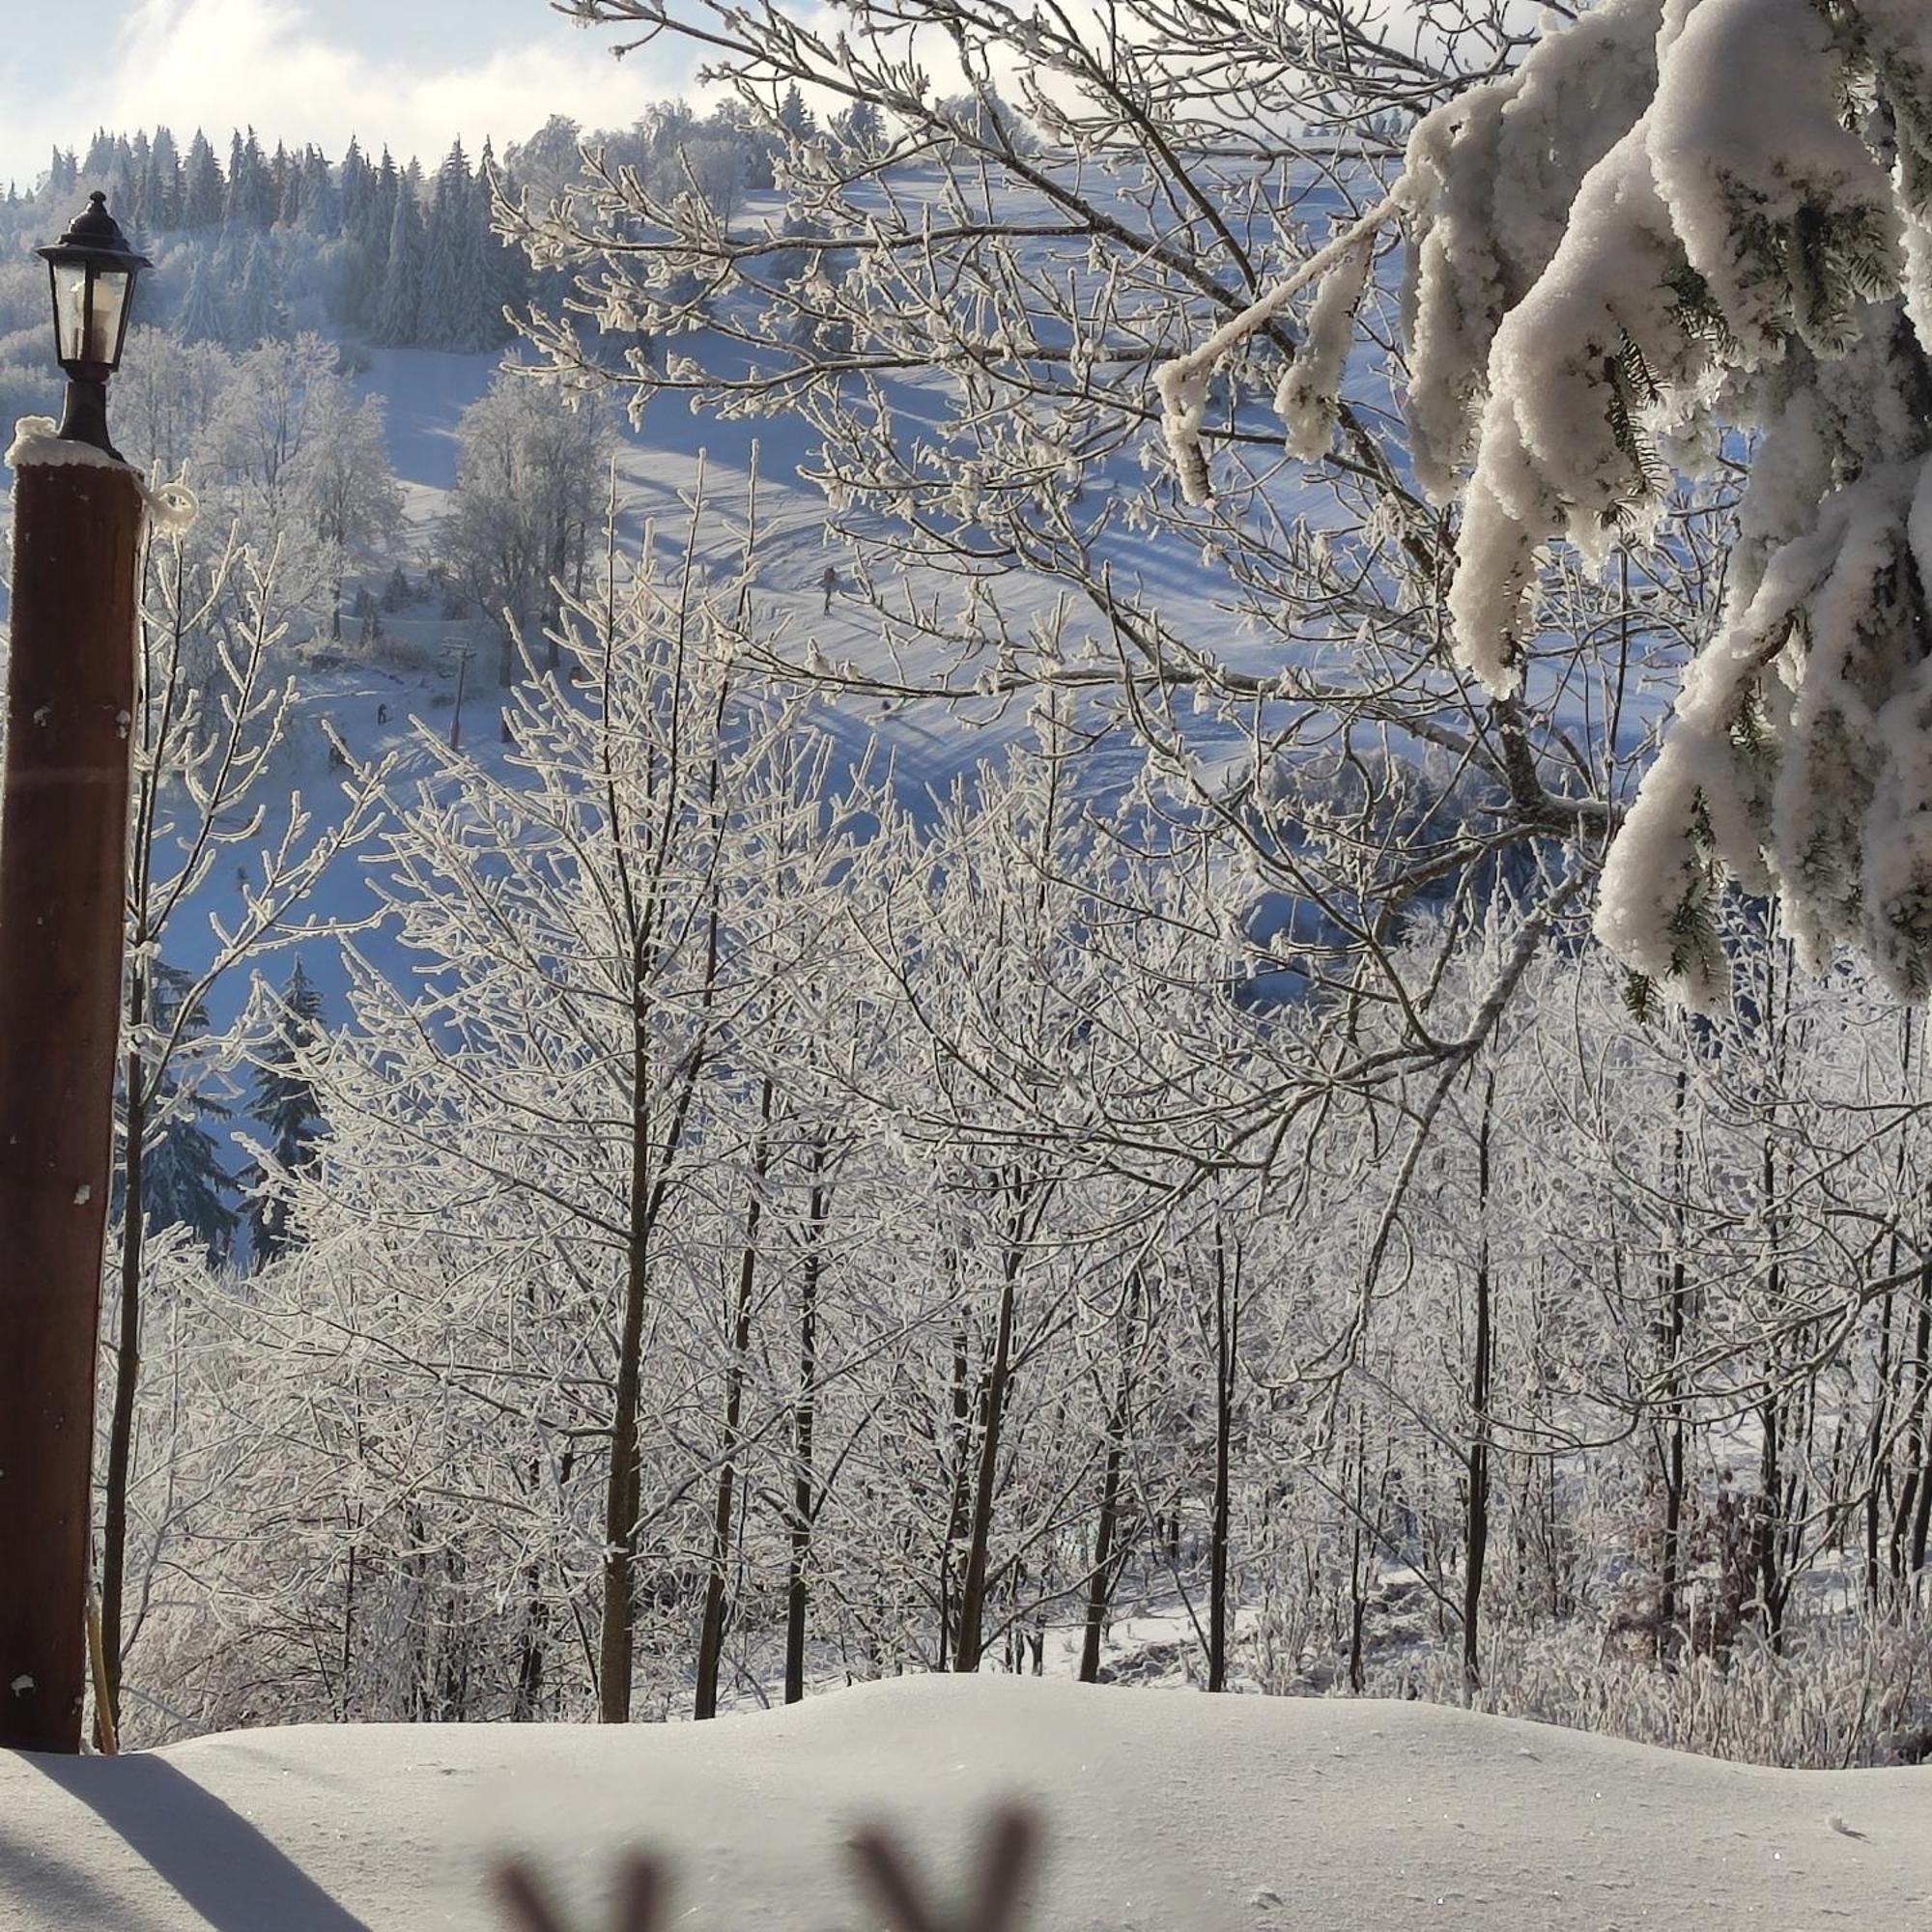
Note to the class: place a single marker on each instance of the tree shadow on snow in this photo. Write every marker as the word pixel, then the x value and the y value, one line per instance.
pixel 219 1863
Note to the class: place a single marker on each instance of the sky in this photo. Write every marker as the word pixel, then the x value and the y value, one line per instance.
pixel 410 74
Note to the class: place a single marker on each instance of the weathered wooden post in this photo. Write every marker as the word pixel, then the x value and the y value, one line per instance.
pixel 77 520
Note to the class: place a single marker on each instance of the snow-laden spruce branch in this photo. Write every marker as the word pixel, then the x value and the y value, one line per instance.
pixel 1663 243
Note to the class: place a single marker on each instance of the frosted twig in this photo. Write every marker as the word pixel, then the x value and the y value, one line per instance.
pixel 1183 382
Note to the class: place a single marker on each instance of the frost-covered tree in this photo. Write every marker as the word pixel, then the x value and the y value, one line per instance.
pixel 269 424
pixel 1029 289
pixel 545 1100
pixel 794 116
pixel 1664 287
pixel 454 305
pixel 258 312
pixel 208 736
pixel 532 480
pixel 198 319
pixel 298 467
pixel 201 185
pixel 348 485
pixel 167 394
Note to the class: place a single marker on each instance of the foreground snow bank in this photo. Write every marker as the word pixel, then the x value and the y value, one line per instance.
pixel 1164 1811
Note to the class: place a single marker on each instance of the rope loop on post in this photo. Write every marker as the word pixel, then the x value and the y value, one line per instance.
pixel 172 507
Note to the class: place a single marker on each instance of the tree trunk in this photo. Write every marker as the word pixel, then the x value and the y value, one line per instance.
pixel 1915 1492
pixel 346 1656
pixel 1101 1578
pixel 1227 1320
pixel 1670 1565
pixel 1476 1544
pixel 621 1486
pixel 804 1500
pixel 1358 1580
pixel 127 1364
pixel 711 1629
pixel 532 1652
pixel 959 1457
pixel 993 1404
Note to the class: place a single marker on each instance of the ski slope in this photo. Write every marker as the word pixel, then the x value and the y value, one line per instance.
pixel 1164 1814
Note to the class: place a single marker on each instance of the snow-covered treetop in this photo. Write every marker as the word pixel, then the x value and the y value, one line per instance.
pixel 1680 232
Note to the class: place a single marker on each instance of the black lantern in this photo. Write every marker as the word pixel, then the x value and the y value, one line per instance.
pixel 93 270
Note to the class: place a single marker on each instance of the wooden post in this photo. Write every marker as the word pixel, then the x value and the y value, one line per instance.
pixel 63 859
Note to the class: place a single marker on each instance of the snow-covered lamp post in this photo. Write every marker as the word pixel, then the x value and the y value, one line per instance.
pixel 77 520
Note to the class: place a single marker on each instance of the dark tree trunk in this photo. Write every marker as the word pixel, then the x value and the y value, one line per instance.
pixel 1482 1367
pixel 127 1364
pixel 615 1654
pixel 1101 1578
pixel 992 1414
pixel 805 1498
pixel 711 1630
pixel 1915 1492
pixel 959 1457
pixel 1227 1340
pixel 1671 1564
pixel 346 1656
pixel 532 1652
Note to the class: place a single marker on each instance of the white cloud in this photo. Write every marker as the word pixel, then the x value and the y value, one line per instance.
pixel 273 64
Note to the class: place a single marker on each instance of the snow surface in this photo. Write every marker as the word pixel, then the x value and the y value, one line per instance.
pixel 1162 1809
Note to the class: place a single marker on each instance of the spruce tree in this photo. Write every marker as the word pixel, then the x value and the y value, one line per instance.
pixel 794 116
pixel 132 188
pixel 353 186
pixel 284 1102
pixel 397 307
pixel 444 298
pixel 199 316
pixel 504 268
pixel 164 182
pixel 260 312
pixel 99 162
pixel 234 199
pixel 861 126
pixel 319 212
pixel 202 187
pixel 183 1183
pixel 284 193
pixel 372 235
pixel 251 185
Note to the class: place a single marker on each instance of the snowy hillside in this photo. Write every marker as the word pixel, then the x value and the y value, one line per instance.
pixel 1163 1812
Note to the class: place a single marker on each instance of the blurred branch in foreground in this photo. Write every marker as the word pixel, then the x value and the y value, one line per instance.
pixel 994 1890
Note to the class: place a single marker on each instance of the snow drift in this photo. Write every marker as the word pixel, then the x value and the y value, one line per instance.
pixel 1162 1811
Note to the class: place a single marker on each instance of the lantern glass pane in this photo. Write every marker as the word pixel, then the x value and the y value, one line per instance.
pixel 70 311
pixel 109 303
